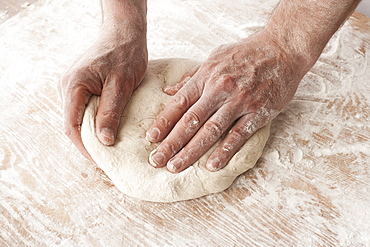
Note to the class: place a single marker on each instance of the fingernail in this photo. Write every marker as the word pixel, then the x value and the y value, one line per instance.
pixel 156 158
pixel 107 136
pixel 174 165
pixel 152 134
pixel 213 165
pixel 170 90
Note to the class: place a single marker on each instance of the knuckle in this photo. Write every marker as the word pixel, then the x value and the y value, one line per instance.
pixel 180 101
pixel 238 131
pixel 171 147
pixel 163 122
pixel 191 120
pixel 213 128
pixel 226 83
pixel 184 79
pixel 250 127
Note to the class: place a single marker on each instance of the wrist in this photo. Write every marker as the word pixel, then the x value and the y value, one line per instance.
pixel 301 53
pixel 298 60
pixel 291 37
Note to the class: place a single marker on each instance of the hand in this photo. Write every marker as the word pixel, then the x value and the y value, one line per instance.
pixel 240 88
pixel 112 68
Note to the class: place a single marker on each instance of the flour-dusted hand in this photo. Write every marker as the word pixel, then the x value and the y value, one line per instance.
pixel 112 67
pixel 238 89
pixel 243 86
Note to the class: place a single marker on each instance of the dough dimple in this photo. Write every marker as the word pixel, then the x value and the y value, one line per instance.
pixel 126 163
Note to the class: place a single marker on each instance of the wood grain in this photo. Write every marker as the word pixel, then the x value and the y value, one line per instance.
pixel 310 188
pixel 9 8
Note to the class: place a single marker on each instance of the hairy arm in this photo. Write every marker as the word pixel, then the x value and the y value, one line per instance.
pixel 304 27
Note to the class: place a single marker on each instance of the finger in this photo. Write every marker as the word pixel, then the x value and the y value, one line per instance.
pixel 173 112
pixel 173 89
pixel 112 102
pixel 234 140
pixel 74 107
pixel 185 129
pixel 206 137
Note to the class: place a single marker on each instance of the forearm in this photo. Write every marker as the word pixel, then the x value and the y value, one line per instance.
pixel 304 27
pixel 117 13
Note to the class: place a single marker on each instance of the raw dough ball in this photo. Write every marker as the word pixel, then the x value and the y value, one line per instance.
pixel 126 163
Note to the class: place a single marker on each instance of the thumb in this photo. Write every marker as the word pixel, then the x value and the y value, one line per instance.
pixel 173 89
pixel 113 99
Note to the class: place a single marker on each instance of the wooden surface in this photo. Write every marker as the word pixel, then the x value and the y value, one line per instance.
pixel 310 188
pixel 9 8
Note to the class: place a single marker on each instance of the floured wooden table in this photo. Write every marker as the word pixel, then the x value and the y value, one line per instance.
pixel 310 188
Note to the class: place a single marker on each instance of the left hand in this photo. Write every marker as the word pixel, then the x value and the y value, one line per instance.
pixel 240 88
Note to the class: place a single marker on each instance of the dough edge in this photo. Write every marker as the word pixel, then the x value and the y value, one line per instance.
pixel 126 163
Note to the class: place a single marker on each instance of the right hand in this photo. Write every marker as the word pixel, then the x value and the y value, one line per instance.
pixel 237 90
pixel 112 68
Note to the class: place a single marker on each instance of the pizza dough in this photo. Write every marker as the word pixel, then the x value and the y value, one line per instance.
pixel 126 163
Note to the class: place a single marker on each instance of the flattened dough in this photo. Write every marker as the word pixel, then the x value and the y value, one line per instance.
pixel 126 163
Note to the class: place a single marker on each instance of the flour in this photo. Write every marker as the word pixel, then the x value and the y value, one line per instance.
pixel 308 189
pixel 126 163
